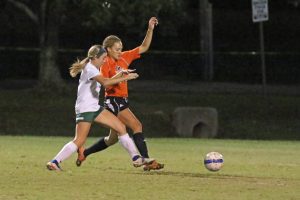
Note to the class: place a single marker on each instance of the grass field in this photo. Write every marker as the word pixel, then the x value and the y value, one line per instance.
pixel 252 170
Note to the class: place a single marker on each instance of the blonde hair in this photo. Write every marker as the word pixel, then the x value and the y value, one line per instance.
pixel 94 52
pixel 109 41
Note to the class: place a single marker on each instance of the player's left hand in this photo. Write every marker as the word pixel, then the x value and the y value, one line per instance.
pixel 127 71
pixel 153 22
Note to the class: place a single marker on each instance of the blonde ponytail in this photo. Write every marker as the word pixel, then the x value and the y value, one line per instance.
pixel 94 52
pixel 78 66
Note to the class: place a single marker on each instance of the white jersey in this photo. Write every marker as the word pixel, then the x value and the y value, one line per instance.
pixel 88 90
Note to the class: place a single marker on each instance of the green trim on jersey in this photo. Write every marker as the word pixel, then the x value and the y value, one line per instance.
pixel 88 116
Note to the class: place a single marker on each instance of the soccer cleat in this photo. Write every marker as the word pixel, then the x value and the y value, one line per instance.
pixel 153 166
pixel 139 161
pixel 53 165
pixel 80 156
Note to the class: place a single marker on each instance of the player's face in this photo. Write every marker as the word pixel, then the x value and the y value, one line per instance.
pixel 99 61
pixel 115 51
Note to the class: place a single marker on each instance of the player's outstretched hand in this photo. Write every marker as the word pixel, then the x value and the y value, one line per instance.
pixel 127 71
pixel 152 23
pixel 132 76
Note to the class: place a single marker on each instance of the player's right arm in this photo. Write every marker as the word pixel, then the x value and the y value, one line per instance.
pixel 111 81
pixel 123 72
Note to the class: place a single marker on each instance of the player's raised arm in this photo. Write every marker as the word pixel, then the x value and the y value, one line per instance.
pixel 148 38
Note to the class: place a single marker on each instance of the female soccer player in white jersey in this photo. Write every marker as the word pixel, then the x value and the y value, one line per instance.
pixel 88 109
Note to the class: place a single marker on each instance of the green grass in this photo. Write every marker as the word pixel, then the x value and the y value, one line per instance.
pixel 241 115
pixel 252 170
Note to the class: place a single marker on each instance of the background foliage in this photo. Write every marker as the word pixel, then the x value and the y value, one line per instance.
pixel 175 49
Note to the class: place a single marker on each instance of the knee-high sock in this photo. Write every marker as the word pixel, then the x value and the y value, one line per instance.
pixel 128 144
pixel 140 143
pixel 66 152
pixel 98 146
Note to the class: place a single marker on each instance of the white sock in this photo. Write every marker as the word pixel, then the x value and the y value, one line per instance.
pixel 128 144
pixel 66 152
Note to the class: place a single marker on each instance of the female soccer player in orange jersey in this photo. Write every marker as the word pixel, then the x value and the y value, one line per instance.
pixel 116 96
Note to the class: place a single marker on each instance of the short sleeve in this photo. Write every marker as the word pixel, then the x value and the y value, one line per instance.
pixel 131 55
pixel 92 72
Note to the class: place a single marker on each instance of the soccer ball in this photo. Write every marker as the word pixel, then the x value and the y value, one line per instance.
pixel 213 161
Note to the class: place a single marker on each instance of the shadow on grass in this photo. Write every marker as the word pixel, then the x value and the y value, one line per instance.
pixel 212 175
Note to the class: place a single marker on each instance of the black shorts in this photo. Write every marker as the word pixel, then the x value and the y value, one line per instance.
pixel 116 104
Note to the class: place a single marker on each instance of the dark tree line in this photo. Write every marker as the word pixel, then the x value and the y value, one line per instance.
pixel 50 15
pixel 47 24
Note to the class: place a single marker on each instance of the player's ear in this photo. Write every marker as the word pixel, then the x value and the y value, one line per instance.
pixel 108 49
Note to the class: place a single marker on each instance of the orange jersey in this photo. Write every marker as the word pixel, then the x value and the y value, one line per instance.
pixel 111 67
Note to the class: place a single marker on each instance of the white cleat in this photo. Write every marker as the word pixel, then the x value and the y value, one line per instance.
pixel 140 161
pixel 53 166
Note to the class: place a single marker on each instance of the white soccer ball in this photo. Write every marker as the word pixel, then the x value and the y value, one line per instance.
pixel 213 161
